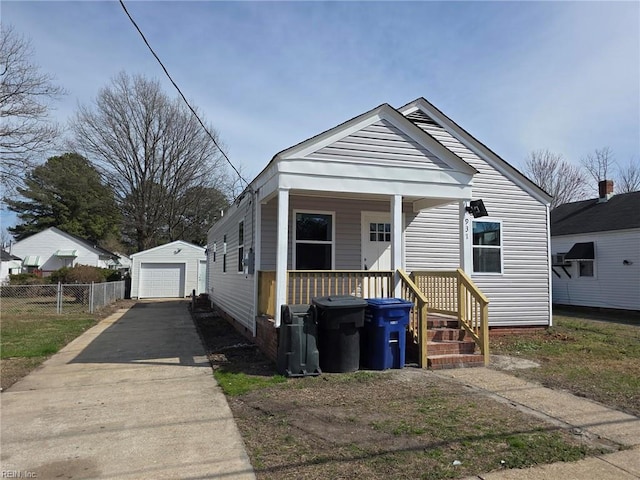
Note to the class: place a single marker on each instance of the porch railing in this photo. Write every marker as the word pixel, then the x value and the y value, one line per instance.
pixel 454 293
pixel 303 285
pixel 267 292
pixel 418 316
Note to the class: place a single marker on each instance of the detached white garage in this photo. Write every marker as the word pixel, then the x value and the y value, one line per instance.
pixel 172 270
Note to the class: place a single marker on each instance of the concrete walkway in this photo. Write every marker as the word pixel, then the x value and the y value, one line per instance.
pixel 583 416
pixel 132 398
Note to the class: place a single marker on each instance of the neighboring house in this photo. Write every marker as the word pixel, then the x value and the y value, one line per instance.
pixel 52 249
pixel 596 251
pixel 388 190
pixel 9 265
pixel 122 263
pixel 172 270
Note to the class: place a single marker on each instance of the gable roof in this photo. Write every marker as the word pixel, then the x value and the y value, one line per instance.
pixel 381 112
pixel 620 212
pixel 431 114
pixel 175 242
pixel 86 243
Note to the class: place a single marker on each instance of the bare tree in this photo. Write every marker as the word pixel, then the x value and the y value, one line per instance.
pixel 628 179
pixel 25 94
pixel 559 178
pixel 152 151
pixel 600 165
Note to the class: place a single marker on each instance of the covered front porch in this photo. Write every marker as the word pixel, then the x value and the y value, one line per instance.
pixel 441 300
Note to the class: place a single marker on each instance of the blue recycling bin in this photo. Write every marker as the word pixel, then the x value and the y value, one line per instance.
pixel 384 337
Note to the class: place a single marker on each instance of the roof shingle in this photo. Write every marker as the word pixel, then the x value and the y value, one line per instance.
pixel 620 212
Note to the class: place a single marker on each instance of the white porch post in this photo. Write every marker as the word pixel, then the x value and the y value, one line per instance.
pixel 466 235
pixel 281 252
pixel 396 240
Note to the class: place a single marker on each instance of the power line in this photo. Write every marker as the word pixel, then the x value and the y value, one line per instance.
pixel 166 72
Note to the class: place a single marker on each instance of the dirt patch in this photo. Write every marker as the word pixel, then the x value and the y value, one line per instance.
pixel 405 423
pixel 506 362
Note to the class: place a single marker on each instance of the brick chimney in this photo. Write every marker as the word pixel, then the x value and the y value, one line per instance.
pixel 605 189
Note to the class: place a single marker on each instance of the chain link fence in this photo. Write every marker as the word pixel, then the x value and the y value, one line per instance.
pixel 59 299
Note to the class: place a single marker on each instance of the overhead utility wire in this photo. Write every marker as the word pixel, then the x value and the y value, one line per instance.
pixel 181 94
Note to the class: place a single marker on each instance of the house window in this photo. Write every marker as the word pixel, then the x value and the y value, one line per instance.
pixel 487 246
pixel 585 268
pixel 224 254
pixel 380 232
pixel 215 248
pixel 241 247
pixel 313 241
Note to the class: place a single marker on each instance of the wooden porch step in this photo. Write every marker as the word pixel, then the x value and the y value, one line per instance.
pixel 439 362
pixel 450 347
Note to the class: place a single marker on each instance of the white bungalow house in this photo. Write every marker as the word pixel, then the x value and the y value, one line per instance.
pixel 52 249
pixel 596 251
pixel 381 205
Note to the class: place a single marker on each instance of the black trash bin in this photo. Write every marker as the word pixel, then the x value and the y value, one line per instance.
pixel 297 342
pixel 340 318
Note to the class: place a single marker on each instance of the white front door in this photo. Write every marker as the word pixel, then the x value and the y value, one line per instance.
pixel 376 241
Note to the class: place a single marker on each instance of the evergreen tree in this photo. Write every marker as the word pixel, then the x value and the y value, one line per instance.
pixel 66 192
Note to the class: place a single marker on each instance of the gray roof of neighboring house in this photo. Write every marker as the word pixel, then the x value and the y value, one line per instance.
pixel 620 212
pixel 7 257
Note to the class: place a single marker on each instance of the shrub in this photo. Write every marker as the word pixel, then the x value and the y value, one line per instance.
pixel 26 279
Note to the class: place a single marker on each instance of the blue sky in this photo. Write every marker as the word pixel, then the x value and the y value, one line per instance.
pixel 519 76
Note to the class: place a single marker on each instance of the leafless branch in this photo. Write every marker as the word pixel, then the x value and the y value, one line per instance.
pixel 561 179
pixel 152 151
pixel 26 131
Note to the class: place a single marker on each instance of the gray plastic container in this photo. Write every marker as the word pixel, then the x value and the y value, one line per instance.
pixel 297 343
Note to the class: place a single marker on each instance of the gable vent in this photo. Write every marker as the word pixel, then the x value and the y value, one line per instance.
pixel 421 117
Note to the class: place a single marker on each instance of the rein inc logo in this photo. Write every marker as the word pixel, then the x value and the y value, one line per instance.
pixel 18 474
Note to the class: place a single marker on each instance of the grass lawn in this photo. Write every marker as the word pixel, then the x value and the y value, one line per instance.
pixel 26 340
pixel 594 355
pixel 396 424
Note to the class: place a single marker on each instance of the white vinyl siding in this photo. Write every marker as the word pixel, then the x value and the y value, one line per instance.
pixel 520 296
pixel 46 243
pixel 614 284
pixel 173 253
pixel 380 143
pixel 233 291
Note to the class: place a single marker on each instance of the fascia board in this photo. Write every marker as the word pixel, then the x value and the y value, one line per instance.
pixel 478 148
pixel 174 243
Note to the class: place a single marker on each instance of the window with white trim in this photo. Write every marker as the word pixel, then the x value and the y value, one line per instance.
pixel 487 246
pixel 313 239
pixel 241 247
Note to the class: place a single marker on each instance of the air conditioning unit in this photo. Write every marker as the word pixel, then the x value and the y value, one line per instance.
pixel 559 261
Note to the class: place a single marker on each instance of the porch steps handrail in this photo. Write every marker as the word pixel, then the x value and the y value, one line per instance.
pixel 455 293
pixel 418 320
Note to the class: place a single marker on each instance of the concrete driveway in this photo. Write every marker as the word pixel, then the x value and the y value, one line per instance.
pixel 132 398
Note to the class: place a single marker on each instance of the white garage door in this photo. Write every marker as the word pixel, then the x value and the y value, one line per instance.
pixel 161 280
